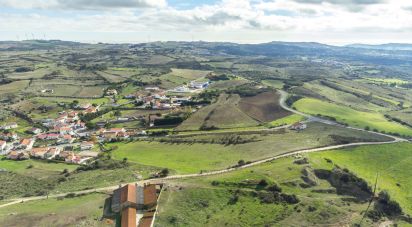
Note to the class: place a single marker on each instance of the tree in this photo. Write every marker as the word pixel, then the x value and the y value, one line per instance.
pixel 164 172
pixel 241 163
pixel 117 113
pixel 91 125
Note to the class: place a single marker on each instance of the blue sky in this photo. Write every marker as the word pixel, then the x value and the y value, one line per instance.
pixel 243 21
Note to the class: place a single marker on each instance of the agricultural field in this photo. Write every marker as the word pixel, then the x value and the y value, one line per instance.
pixel 342 98
pixel 288 120
pixel 192 155
pixel 56 212
pixel 263 107
pixel 374 121
pixel 14 87
pixel 224 113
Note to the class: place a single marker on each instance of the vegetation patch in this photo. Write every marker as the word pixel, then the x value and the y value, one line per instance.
pixel 263 107
pixel 371 120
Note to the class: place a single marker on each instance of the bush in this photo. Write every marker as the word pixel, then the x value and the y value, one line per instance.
pixel 274 188
pixel 263 183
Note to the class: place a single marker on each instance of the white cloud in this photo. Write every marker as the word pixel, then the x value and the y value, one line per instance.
pixel 223 21
pixel 82 4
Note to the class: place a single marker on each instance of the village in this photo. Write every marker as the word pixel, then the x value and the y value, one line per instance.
pixel 68 139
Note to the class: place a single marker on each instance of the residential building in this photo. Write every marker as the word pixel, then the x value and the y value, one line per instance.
pixel 132 199
pixel 86 146
pixel 35 131
pixel 298 126
pixel 26 143
pixel 3 145
pixel 39 152
pixel 17 155
pixel 199 85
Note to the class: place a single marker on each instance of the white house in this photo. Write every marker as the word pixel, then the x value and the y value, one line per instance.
pixel 35 131
pixel 298 126
pixel 199 85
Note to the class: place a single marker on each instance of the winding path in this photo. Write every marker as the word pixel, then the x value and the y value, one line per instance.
pixel 254 163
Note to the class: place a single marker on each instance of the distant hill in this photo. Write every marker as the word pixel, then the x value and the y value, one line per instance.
pixel 388 46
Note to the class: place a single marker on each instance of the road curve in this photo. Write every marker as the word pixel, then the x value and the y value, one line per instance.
pixel 282 103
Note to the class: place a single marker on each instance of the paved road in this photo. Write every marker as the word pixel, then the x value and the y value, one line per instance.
pixel 282 102
pixel 258 162
pixel 174 177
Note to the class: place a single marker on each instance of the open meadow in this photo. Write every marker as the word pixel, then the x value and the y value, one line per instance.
pixel 201 153
pixel 371 120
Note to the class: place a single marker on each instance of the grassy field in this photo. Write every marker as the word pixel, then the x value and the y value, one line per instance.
pixel 386 80
pixel 225 113
pixel 83 210
pixel 342 98
pixel 350 116
pixel 35 168
pixel 208 201
pixel 194 157
pixel 180 76
pixel 291 119
pixel 390 162
pixel 14 87
pixel 274 83
pixel 31 177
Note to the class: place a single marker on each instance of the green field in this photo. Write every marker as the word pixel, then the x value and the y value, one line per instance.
pixel 278 84
pixel 391 163
pixel 291 119
pixel 342 98
pixel 83 210
pixel 35 168
pixel 206 201
pixel 193 157
pixel 350 116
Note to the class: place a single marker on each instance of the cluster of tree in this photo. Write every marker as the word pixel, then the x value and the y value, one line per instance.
pixel 225 140
pixel 23 69
pixel 292 99
pixel 169 120
pixel 208 95
pixel 214 77
pixel 397 120
pixel 247 90
pixel 346 183
pixel 90 116
pixel 384 206
pixel 52 74
pixel 93 67
pixel 273 194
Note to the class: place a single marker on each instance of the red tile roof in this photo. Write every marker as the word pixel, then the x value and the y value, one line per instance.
pixel 129 217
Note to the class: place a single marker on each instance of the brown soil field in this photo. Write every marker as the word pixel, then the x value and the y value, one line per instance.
pixel 263 107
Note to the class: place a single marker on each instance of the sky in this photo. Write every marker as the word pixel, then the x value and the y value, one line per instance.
pixel 335 22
